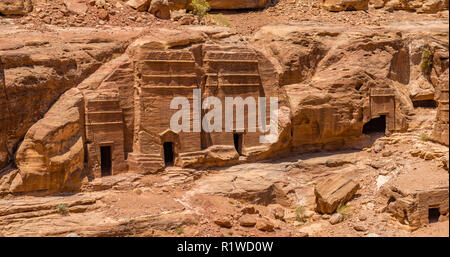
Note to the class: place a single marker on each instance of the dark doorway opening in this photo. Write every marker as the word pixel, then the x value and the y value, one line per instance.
pixel 106 165
pixel 375 125
pixel 237 138
pixel 425 104
pixel 433 215
pixel 168 153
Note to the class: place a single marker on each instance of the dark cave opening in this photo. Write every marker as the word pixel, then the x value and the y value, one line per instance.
pixel 375 125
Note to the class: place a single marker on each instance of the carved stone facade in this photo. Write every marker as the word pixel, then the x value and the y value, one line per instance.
pixel 441 127
pixel 140 139
pixel 416 199
pixel 382 103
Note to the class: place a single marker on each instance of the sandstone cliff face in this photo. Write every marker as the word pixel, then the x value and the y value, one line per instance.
pixel 331 75
pixel 330 82
pixel 37 67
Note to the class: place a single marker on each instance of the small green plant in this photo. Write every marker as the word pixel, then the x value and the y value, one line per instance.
pixel 62 209
pixel 423 136
pixel 219 20
pixel 344 210
pixel 300 214
pixel 427 61
pixel 179 230
pixel 200 8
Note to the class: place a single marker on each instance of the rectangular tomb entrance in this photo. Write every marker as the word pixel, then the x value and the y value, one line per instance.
pixel 237 138
pixel 168 153
pixel 106 163
pixel 382 109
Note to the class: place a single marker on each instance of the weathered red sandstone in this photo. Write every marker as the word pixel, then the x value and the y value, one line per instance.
pixel 37 67
pixel 330 83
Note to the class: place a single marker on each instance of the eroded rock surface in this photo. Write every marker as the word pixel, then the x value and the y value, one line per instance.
pixel 419 197
pixel 37 67
pixel 334 192
pixel 15 7
pixel 331 84
pixel 420 6
pixel 345 5
pixel 51 156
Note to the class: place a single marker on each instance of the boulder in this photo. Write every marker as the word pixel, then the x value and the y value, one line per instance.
pixel 103 14
pixel 334 191
pixel 433 6
pixel 51 156
pixel 15 7
pixel 37 67
pixel 336 218
pixel 378 3
pixel 278 213
pixel 361 227
pixel 345 5
pixel 264 225
pixel 224 222
pixel 247 220
pixel 250 182
pixel 249 210
pixel 160 8
pixel 76 6
pixel 140 5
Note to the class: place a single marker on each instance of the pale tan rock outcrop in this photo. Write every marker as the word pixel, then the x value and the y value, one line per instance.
pixel 160 8
pixel 249 182
pixel 222 4
pixel 420 6
pixel 15 7
pixel 334 191
pixel 51 157
pixel 331 74
pixel 345 5
pixel 140 5
pixel 76 6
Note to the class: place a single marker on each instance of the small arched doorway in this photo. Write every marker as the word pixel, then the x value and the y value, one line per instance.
pixel 170 145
